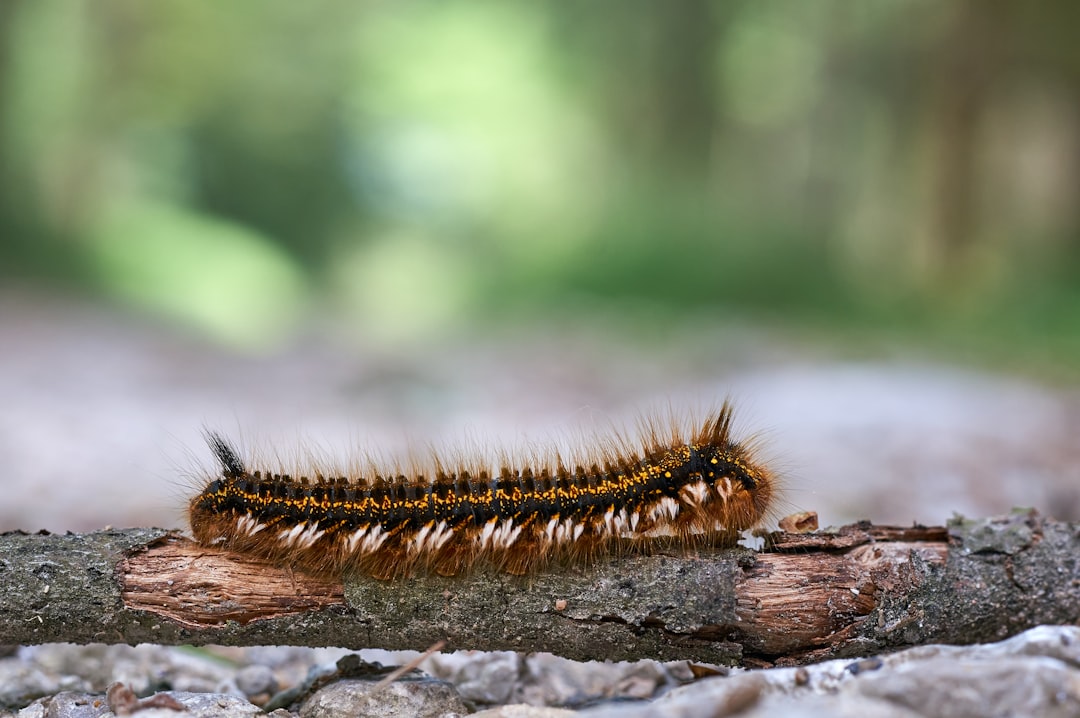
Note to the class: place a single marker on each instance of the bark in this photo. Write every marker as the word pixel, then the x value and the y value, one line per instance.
pixel 856 591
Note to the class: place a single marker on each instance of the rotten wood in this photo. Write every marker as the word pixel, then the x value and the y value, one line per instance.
pixel 858 590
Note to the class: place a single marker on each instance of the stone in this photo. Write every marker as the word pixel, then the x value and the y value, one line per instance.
pixel 70 704
pixel 22 682
pixel 1034 673
pixel 256 680
pixel 522 710
pixel 483 678
pixel 962 688
pixel 554 681
pixel 206 705
pixel 406 698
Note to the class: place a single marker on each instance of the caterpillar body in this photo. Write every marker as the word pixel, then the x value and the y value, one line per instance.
pixel 681 486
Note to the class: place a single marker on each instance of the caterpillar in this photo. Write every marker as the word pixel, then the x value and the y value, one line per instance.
pixel 680 484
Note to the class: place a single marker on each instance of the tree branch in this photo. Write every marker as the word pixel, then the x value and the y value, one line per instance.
pixel 860 590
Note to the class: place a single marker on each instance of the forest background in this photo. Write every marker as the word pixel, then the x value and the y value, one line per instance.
pixel 366 220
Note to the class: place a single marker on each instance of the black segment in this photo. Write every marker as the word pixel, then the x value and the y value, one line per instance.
pixel 697 464
pixel 726 467
pixel 749 482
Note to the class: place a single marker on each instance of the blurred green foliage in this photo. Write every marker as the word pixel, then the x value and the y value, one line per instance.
pixel 413 166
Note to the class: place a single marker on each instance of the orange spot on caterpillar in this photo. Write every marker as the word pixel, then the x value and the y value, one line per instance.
pixel 681 487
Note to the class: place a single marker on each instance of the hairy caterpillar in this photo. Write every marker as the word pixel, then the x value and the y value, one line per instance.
pixel 679 486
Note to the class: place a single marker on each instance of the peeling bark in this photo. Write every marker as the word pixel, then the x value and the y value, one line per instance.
pixel 856 591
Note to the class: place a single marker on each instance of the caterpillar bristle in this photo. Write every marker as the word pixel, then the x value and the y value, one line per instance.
pixel 231 465
pixel 678 485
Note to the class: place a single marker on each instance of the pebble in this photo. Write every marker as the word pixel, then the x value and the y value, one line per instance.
pixel 69 704
pixel 407 698
pixel 522 710
pixel 256 680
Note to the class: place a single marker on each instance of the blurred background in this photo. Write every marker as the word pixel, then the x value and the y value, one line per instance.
pixel 380 225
